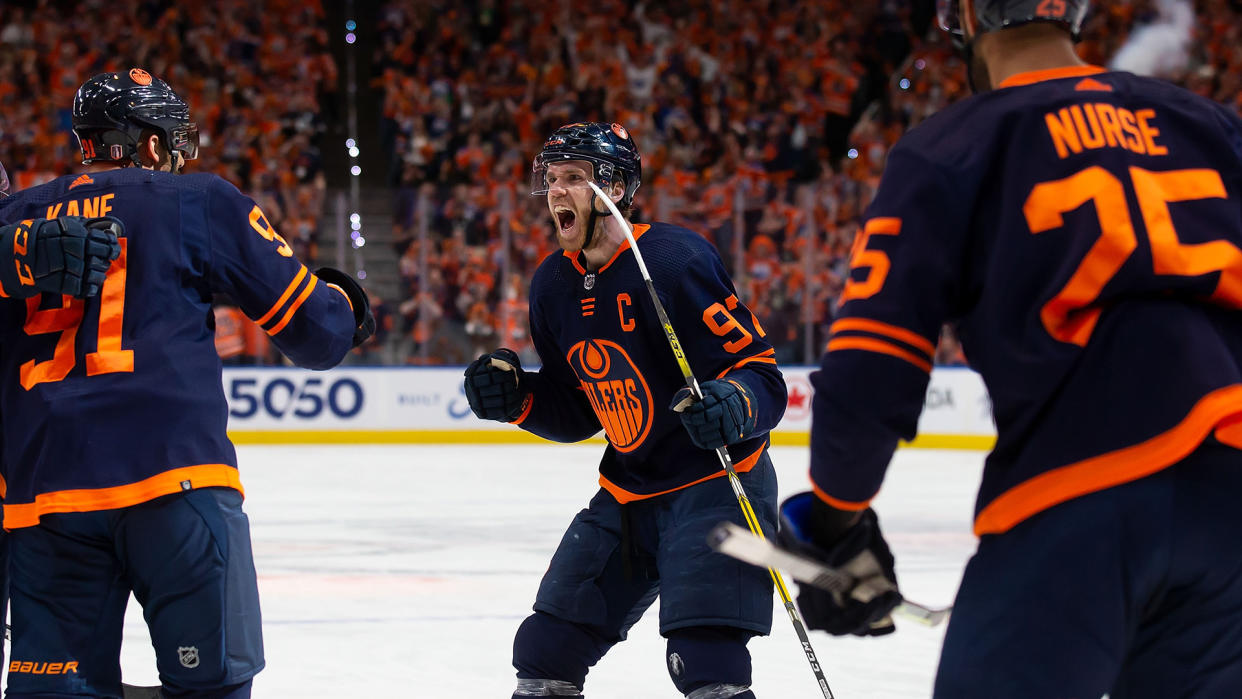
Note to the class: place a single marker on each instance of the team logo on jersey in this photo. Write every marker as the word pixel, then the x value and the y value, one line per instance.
pixel 588 282
pixel 140 76
pixel 617 391
pixel 188 656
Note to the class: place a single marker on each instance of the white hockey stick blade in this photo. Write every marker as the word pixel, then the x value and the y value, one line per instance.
pixel 734 541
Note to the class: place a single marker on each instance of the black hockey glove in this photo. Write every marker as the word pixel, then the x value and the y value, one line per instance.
pixel 364 322
pixel 726 415
pixel 496 387
pixel 858 549
pixel 68 255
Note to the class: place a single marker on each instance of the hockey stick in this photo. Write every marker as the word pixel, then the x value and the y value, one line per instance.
pixel 732 540
pixel 748 512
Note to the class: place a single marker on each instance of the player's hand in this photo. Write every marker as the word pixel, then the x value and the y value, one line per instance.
pixel 364 321
pixel 812 527
pixel 726 415
pixel 68 255
pixel 495 386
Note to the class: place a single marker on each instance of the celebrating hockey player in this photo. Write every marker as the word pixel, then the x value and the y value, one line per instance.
pixel 606 364
pixel 1083 230
pixel 69 255
pixel 119 474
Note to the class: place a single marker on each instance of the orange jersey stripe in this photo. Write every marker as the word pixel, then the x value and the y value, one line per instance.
pixel 530 403
pixel 623 496
pixel 879 346
pixel 892 331
pixel 351 303
pixel 285 296
pixel 293 307
pixel 1114 467
pixel 1228 432
pixel 639 229
pixel 839 504
pixel 1037 76
pixel 20 515
pixel 765 357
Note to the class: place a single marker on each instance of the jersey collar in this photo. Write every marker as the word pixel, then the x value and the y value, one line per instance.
pixel 1038 76
pixel 639 229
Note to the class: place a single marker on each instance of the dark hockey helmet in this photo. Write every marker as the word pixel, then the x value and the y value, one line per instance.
pixel 111 110
pixel 990 15
pixel 608 147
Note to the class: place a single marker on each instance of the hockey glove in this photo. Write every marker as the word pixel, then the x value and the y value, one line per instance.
pixel 68 255
pixel 496 386
pixel 858 549
pixel 364 322
pixel 726 415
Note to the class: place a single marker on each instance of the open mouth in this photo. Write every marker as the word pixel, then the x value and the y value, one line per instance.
pixel 565 219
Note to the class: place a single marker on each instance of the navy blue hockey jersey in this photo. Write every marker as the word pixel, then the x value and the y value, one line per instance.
pixel 1083 228
pixel 607 364
pixel 115 400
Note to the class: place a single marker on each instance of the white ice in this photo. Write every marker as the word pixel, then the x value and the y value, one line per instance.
pixel 403 571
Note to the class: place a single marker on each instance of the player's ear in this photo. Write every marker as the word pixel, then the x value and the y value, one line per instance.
pixel 149 149
pixel 618 190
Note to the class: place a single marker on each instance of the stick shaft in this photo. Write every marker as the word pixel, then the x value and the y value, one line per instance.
pixel 748 512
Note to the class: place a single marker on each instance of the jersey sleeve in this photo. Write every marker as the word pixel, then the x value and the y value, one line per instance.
pixel 1231 123
pixel 310 321
pixel 873 377
pixel 723 339
pixel 559 409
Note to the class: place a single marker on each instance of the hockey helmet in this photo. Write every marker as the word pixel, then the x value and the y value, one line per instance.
pixel 990 15
pixel 608 147
pixel 111 110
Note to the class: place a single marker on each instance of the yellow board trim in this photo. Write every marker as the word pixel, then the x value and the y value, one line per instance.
pixel 779 439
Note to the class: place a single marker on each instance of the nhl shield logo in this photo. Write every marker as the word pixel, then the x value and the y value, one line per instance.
pixel 188 656
pixel 588 282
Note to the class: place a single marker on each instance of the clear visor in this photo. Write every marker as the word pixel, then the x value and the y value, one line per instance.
pixel 949 16
pixel 185 140
pixel 567 170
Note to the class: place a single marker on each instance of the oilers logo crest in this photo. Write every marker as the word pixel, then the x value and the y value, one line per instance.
pixel 617 390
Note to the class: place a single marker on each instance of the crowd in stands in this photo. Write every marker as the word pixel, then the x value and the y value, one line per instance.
pixel 254 73
pixel 736 106
pixel 764 125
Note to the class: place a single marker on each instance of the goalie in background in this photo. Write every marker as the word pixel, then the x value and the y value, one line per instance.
pixel 1083 231
pixel 606 364
pixel 119 473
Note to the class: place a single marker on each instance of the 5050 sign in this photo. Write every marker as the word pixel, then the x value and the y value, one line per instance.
pixel 304 399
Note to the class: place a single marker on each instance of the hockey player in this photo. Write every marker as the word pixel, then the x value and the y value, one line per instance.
pixel 606 364
pixel 69 255
pixel 1083 229
pixel 119 474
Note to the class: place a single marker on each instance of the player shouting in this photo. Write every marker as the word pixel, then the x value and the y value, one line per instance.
pixel 606 364
pixel 1083 229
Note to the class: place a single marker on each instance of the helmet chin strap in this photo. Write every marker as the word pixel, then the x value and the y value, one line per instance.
pixel 590 228
pixel 968 53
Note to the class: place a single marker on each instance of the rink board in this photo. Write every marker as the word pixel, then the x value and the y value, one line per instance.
pixel 427 406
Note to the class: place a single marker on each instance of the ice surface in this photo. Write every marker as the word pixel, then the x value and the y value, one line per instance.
pixel 403 571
